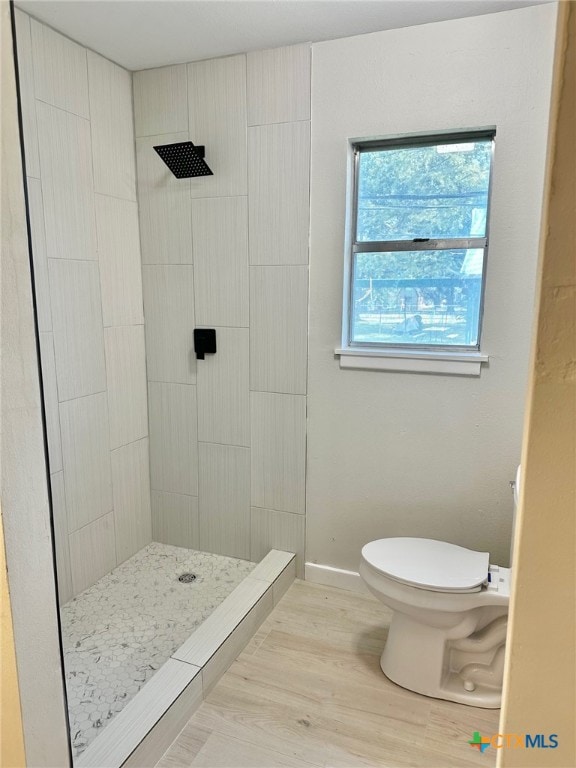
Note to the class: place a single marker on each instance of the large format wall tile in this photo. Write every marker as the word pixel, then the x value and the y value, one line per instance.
pixel 131 487
pixel 119 259
pixel 224 498
pixel 173 438
pixel 110 89
pixel 278 329
pixel 169 305
pixel 175 519
pixel 279 85
pixel 77 324
pixel 79 138
pixel 60 71
pixel 160 100
pixel 86 458
pixel 278 193
pixel 164 205
pixel 220 238
pixel 223 390
pixel 277 530
pixel 41 284
pixel 242 215
pixel 66 163
pixel 50 394
pixel 126 378
pixel 278 447
pixel 61 545
pixel 217 120
pixel 27 97
pixel 92 552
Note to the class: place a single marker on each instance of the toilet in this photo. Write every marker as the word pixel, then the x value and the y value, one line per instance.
pixel 448 631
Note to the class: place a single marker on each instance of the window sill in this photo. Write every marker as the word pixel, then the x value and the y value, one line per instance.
pixel 412 361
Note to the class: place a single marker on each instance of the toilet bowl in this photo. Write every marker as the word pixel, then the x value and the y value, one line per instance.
pixel 448 631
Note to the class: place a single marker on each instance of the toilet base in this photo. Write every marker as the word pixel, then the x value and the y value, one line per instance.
pixel 428 660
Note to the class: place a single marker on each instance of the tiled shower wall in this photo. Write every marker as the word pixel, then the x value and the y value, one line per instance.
pixel 229 251
pixel 81 178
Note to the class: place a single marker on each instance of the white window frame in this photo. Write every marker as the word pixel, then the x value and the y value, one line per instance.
pixel 464 361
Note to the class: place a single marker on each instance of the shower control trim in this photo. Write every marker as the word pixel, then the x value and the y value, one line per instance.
pixel 204 342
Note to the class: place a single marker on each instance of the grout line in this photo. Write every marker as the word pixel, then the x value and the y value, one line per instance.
pixel 267 581
pixel 116 197
pixel 177 493
pixel 123 325
pixel 96 519
pixel 163 133
pixel 225 445
pixel 246 267
pixel 173 383
pixel 74 261
pixel 137 191
pixel 217 197
pixel 166 264
pixel 130 442
pixel 67 111
pixel 278 122
pixel 82 397
pixel 274 392
pixel 308 304
pixel 305 265
pixel 278 511
pixel 230 327
pixel 181 661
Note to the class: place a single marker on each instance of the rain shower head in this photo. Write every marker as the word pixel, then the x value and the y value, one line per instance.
pixel 184 159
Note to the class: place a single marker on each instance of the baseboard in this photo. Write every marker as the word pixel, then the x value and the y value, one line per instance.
pixel 334 577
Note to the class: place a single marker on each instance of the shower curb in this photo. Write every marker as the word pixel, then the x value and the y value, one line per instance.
pixel 140 734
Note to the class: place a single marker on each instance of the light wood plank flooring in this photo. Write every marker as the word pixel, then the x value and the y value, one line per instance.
pixel 308 691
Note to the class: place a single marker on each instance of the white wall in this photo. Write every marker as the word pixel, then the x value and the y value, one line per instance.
pixel 81 180
pixel 392 454
pixel 228 251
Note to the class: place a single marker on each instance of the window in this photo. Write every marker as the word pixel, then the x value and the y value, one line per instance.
pixel 419 235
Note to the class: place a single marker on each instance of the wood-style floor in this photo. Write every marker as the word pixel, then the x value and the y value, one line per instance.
pixel 308 691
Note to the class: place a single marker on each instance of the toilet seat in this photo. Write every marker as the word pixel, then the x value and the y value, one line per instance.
pixel 428 564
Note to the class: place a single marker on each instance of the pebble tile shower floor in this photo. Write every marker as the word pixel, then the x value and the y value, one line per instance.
pixel 119 631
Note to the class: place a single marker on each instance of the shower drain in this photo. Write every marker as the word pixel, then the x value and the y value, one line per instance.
pixel 187 578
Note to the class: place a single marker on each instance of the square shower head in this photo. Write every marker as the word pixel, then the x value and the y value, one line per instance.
pixel 184 159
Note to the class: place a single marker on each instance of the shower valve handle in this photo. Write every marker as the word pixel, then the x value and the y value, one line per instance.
pixel 204 342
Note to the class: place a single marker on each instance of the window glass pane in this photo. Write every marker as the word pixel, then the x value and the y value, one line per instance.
pixel 417 298
pixel 435 192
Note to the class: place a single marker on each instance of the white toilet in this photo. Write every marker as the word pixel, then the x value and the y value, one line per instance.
pixel 448 631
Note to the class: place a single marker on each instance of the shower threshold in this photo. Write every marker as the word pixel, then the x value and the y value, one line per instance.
pixel 141 732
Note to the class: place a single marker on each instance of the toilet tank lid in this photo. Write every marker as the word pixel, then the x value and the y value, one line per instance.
pixel 427 563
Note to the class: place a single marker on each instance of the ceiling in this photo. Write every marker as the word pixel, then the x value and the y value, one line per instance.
pixel 139 34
